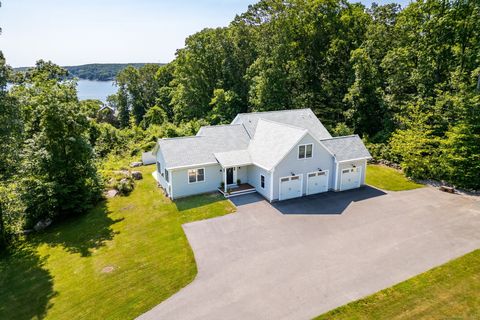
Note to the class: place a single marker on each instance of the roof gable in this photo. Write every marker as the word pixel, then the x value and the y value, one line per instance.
pixel 347 148
pixel 302 118
pixel 272 141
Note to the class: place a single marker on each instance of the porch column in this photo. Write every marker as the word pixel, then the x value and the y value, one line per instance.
pixel 225 180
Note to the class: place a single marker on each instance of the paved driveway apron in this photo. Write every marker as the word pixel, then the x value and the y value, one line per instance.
pixel 300 258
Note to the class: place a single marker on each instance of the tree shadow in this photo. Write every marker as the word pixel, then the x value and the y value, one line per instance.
pixel 197 201
pixel 81 234
pixel 24 279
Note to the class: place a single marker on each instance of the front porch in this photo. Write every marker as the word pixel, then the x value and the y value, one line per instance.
pixel 237 190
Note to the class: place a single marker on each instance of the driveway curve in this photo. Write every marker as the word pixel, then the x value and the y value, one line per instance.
pixel 298 259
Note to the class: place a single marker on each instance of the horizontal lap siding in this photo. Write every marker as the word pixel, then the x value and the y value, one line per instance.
pixel 254 173
pixel 321 159
pixel 181 187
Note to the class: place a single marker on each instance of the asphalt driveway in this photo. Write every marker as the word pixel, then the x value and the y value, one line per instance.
pixel 297 259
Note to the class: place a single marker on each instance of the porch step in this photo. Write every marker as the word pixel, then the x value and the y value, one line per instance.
pixel 237 193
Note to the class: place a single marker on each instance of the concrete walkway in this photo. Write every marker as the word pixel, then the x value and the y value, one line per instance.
pixel 300 258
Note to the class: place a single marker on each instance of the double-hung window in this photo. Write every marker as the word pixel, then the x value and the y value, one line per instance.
pixel 305 151
pixel 166 175
pixel 262 181
pixel 196 175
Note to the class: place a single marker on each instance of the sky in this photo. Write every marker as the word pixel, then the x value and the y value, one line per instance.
pixel 73 32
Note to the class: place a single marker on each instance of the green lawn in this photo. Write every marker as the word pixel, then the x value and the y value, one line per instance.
pixel 451 291
pixel 386 178
pixel 116 262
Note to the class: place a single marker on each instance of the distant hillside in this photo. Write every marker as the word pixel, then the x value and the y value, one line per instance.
pixel 96 71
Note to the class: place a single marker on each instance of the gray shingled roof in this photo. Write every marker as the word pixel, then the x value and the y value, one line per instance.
pixel 234 158
pixel 200 149
pixel 347 147
pixel 272 141
pixel 302 118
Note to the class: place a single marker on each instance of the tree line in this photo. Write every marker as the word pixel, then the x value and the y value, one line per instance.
pixel 406 80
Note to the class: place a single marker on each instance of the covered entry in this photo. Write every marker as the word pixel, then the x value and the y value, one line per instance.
pixel 317 182
pixel 290 187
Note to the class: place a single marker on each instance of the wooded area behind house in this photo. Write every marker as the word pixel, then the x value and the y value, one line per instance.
pixel 407 81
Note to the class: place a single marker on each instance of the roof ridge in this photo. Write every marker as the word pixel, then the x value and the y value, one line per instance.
pixel 284 124
pixel 221 125
pixel 341 137
pixel 274 111
pixel 178 138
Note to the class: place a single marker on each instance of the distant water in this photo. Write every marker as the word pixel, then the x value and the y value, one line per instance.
pixel 88 89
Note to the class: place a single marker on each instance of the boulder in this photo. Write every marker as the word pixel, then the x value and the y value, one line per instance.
pixel 447 189
pixel 136 164
pixel 111 193
pixel 42 224
pixel 137 175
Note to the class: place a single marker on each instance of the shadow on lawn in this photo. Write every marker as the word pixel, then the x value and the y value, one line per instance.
pixel 24 280
pixel 81 234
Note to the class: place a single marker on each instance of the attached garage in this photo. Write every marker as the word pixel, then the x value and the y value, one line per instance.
pixel 290 187
pixel 350 178
pixel 317 182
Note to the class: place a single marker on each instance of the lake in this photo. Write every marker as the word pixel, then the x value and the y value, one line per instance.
pixel 88 89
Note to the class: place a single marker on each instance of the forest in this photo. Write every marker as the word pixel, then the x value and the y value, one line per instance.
pixel 407 80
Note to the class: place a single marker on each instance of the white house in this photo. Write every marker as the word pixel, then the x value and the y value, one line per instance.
pixel 280 154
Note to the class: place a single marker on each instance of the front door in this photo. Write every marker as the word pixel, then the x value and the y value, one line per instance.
pixel 229 175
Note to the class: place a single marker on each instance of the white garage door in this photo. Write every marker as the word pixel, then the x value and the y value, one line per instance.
pixel 350 178
pixel 290 187
pixel 317 182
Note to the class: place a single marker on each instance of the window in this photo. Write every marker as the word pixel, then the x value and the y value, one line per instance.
pixel 285 179
pixel 166 175
pixel 345 170
pixel 196 175
pixel 305 151
pixel 295 178
pixel 262 181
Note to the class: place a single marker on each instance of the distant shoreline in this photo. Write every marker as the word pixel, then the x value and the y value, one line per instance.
pixel 95 71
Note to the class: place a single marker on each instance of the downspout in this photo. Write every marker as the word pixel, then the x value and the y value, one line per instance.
pixel 336 175
pixel 271 184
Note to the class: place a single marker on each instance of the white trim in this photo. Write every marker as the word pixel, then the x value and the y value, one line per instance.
pixel 298 151
pixel 359 170
pixel 236 165
pixel 196 175
pixel 336 174
pixel 271 184
pixel 206 164
pixel 356 159
pixel 280 187
pixel 327 172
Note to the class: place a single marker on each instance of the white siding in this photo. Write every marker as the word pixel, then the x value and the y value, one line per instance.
pixel 254 173
pixel 321 159
pixel 181 187
pixel 160 174
pixel 242 174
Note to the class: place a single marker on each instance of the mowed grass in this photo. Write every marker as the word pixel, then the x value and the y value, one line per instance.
pixel 118 261
pixel 386 178
pixel 451 291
